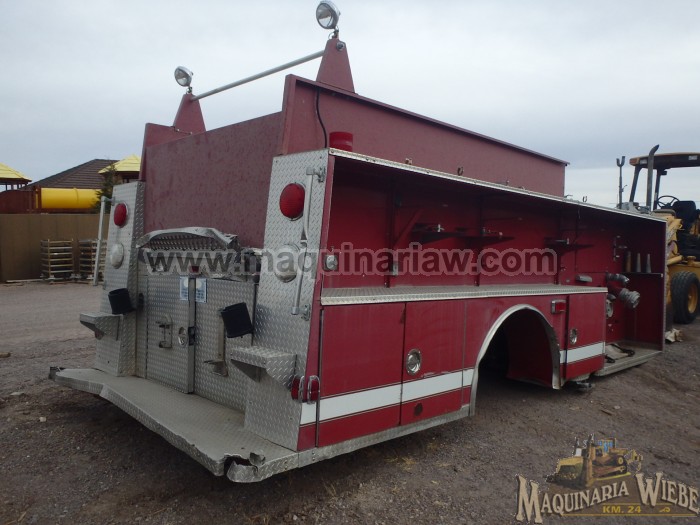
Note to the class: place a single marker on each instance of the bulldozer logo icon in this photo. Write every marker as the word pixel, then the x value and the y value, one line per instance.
pixel 603 479
pixel 599 460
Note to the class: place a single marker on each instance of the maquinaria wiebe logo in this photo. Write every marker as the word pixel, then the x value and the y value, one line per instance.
pixel 602 479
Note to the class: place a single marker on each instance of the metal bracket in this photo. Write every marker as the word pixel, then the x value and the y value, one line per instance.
pixel 102 324
pixel 183 238
pixel 166 324
pixel 219 365
pixel 306 312
pixel 319 172
pixel 256 360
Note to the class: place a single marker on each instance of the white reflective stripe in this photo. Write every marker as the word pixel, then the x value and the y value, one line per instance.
pixel 339 406
pixel 467 377
pixel 584 352
pixel 308 413
pixel 348 404
pixel 431 386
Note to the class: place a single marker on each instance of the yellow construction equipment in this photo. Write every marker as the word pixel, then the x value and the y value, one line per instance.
pixel 682 215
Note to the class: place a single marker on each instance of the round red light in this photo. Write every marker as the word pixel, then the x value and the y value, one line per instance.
pixel 292 201
pixel 120 214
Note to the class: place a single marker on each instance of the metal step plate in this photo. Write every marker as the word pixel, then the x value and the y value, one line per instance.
pixel 641 355
pixel 212 434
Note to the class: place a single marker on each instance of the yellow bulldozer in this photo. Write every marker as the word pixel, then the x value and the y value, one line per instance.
pixel 683 239
pixel 597 460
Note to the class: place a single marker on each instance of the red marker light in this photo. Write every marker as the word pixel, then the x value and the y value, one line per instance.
pixel 120 214
pixel 297 389
pixel 292 201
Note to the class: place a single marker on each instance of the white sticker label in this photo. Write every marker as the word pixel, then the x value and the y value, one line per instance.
pixel 184 289
pixel 201 290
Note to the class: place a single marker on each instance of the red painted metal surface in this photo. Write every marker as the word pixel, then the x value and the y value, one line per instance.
pixel 587 316
pixel 436 329
pixel 342 429
pixel 362 347
pixel 583 367
pixel 188 118
pixel 378 208
pixel 335 66
pixel 307 437
pixel 428 407
pixel 216 179
pixel 390 133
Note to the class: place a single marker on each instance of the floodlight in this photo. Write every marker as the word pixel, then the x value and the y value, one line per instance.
pixel 327 15
pixel 183 76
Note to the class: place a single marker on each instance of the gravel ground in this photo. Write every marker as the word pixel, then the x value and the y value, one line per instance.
pixel 70 457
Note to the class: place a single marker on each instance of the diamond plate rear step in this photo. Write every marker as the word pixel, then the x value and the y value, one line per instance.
pixel 638 356
pixel 212 434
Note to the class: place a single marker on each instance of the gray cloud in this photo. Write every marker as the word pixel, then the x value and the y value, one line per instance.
pixel 583 81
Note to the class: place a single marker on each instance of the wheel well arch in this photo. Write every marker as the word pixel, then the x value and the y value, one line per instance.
pixel 519 312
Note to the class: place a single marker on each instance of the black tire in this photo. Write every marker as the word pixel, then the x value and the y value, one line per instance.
pixel 685 295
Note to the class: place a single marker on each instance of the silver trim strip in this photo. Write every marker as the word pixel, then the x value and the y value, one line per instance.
pixel 485 184
pixel 342 296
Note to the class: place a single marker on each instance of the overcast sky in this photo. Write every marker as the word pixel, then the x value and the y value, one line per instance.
pixel 585 81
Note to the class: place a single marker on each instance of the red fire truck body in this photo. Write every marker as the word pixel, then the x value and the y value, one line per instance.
pixel 321 279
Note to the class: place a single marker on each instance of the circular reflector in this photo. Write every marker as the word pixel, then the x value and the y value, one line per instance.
pixel 327 15
pixel 120 214
pixel 116 255
pixel 286 262
pixel 292 201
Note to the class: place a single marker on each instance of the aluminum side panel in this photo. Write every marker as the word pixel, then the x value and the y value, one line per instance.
pixel 116 356
pixel 167 364
pixel 270 410
pixel 228 390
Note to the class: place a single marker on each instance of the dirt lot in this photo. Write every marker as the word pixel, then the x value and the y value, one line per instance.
pixel 88 462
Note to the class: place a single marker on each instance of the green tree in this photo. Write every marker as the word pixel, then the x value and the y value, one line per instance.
pixel 108 178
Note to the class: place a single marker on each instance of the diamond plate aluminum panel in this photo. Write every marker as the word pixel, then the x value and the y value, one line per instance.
pixel 280 366
pixel 116 356
pixel 168 365
pixel 141 323
pixel 207 431
pixel 211 344
pixel 270 411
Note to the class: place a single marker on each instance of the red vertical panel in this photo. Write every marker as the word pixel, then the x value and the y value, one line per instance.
pixel 587 316
pixel 361 349
pixel 436 329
